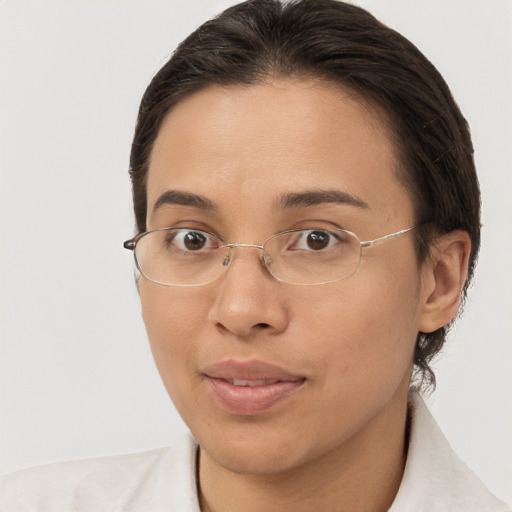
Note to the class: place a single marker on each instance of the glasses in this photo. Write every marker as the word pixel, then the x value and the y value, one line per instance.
pixel 191 257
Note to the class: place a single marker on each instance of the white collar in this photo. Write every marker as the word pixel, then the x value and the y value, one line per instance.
pixel 435 479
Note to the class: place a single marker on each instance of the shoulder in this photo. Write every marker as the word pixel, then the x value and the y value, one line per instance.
pixel 154 480
pixel 435 478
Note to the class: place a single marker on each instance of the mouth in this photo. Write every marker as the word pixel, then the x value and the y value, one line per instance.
pixel 251 387
pixel 251 383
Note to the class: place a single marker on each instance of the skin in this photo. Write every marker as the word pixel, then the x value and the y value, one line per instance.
pixel 339 442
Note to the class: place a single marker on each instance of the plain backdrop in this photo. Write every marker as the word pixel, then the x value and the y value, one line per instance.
pixel 76 374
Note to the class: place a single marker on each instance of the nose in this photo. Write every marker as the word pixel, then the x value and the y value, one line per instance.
pixel 250 301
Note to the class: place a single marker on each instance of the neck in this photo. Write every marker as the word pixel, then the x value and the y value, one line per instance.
pixel 363 474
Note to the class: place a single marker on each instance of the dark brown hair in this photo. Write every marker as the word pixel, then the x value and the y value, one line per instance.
pixel 329 40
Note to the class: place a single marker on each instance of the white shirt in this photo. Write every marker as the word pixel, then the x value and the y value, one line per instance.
pixel 435 480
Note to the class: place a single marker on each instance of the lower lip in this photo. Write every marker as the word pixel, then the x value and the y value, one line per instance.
pixel 250 400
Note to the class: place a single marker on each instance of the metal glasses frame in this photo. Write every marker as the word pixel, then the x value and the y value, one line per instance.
pixel 131 244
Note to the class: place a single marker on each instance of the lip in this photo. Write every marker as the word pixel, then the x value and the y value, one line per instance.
pixel 269 385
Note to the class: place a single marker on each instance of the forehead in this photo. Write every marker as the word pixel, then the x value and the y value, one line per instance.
pixel 248 145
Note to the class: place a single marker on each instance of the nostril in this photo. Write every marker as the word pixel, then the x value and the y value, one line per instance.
pixel 262 326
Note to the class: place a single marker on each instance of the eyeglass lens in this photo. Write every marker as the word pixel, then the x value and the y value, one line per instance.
pixel 185 257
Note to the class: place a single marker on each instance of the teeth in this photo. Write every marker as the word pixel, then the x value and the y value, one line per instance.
pixel 252 383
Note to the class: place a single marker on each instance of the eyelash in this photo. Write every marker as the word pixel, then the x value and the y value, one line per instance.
pixel 310 224
pixel 193 226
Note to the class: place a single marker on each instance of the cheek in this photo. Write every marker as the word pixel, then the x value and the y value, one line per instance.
pixel 173 321
pixel 363 330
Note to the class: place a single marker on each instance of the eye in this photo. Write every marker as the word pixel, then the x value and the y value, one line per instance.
pixel 192 240
pixel 315 240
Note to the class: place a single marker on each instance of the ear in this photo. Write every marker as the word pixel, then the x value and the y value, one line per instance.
pixel 444 274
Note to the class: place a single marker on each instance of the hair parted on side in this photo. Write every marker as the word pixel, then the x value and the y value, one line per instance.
pixel 329 40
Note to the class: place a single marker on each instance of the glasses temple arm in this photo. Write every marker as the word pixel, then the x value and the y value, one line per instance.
pixel 369 243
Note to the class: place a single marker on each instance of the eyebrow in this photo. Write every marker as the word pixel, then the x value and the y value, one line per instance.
pixel 290 200
pixel 184 199
pixel 317 197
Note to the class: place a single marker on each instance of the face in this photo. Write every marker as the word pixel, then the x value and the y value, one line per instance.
pixel 328 365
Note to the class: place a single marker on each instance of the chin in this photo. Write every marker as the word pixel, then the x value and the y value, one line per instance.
pixel 253 449
pixel 261 461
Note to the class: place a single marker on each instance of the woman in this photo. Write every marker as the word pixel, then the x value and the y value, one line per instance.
pixel 308 220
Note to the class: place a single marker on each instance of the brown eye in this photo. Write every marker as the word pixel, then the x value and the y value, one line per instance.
pixel 318 240
pixel 188 241
pixel 194 241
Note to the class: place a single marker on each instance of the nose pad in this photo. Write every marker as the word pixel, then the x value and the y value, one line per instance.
pixel 267 260
pixel 227 260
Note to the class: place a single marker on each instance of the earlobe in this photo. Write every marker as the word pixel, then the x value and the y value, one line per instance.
pixel 444 275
